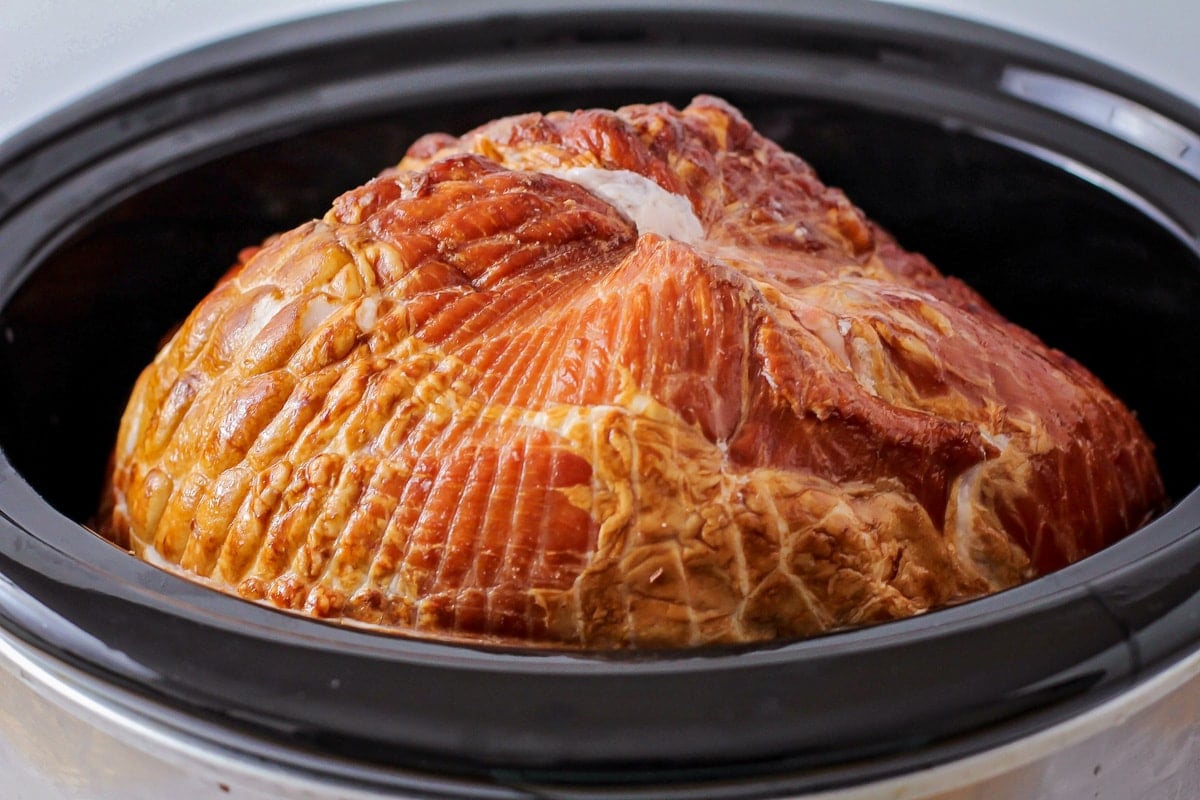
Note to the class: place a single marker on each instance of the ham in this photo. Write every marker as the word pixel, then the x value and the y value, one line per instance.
pixel 602 379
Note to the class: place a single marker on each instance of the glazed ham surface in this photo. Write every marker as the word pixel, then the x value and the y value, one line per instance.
pixel 605 379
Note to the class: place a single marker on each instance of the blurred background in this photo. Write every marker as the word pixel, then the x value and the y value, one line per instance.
pixel 54 51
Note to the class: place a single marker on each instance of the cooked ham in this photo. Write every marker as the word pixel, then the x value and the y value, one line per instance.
pixel 613 379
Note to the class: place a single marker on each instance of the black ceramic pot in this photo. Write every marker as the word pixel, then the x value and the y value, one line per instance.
pixel 1067 193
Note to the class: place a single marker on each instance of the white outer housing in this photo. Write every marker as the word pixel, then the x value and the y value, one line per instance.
pixel 65 736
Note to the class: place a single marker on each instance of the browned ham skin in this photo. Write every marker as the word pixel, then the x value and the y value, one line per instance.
pixel 475 401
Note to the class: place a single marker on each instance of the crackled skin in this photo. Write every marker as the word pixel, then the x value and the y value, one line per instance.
pixel 474 401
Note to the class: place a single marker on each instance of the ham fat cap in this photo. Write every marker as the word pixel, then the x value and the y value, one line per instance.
pixel 476 401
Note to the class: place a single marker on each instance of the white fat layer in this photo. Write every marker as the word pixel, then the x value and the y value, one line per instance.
pixel 968 487
pixel 263 311
pixel 652 208
pixel 317 311
pixel 367 314
pixel 830 332
pixel 964 518
pixel 997 440
pixel 152 556
pixel 863 352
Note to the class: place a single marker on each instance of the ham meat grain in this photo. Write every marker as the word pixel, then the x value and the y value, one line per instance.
pixel 628 378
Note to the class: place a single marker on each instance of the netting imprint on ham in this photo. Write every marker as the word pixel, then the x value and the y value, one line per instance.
pixel 605 379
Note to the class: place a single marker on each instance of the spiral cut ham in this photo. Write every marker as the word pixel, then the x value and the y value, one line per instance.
pixel 613 379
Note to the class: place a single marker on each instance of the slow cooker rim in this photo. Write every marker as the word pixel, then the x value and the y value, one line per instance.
pixel 1161 538
pixel 1085 583
pixel 284 739
pixel 927 32
pixel 133 719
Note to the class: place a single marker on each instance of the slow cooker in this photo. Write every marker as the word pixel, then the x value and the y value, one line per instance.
pixel 1065 191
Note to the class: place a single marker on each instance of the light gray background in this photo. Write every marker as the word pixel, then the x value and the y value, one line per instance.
pixel 53 51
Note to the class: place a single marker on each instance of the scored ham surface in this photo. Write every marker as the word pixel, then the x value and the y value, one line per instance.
pixel 631 378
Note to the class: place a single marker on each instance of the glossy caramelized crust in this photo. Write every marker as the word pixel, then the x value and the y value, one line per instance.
pixel 488 395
